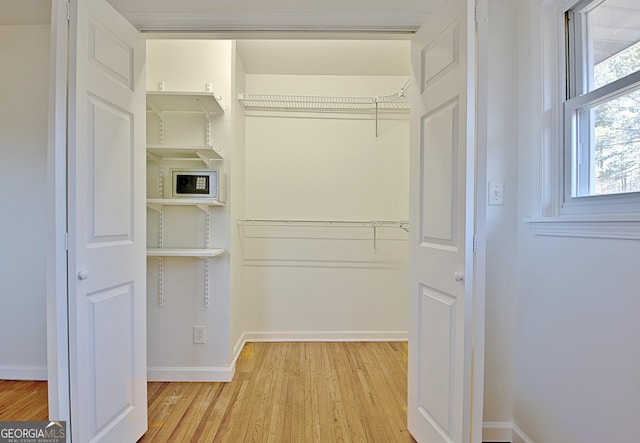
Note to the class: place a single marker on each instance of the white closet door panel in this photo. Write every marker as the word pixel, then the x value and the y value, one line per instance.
pixel 442 210
pixel 107 226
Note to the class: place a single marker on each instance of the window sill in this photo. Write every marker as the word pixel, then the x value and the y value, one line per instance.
pixel 618 226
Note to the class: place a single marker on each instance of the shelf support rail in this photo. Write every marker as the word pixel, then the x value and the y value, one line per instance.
pixel 160 282
pixel 160 237
pixel 373 224
pixel 207 263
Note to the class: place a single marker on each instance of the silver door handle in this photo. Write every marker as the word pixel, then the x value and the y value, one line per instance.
pixel 458 276
pixel 83 275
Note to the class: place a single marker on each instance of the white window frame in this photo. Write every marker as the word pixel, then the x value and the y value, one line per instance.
pixel 577 100
pixel 554 210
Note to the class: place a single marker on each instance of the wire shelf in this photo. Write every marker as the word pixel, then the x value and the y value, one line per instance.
pixel 252 101
pixel 373 224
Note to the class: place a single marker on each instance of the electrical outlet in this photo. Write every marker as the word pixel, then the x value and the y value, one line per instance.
pixel 199 334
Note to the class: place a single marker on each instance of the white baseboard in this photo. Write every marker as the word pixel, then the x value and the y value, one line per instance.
pixel 237 349
pixel 11 372
pixel 519 436
pixel 198 373
pixel 191 373
pixel 497 432
pixel 503 432
pixel 282 336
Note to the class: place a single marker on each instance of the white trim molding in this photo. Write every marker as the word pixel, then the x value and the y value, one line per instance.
pixel 542 98
pixel 503 432
pixel 276 22
pixel 18 372
pixel 237 349
pixel 198 373
pixel 519 436
pixel 628 229
pixel 497 432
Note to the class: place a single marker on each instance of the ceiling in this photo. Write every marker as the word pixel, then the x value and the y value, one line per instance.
pixel 280 6
pixel 280 15
pixel 253 15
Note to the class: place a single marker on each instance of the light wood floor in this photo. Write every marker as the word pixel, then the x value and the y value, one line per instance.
pixel 23 400
pixel 281 392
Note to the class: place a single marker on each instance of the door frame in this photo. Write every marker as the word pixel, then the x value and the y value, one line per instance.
pixel 56 248
pixel 56 251
pixel 479 274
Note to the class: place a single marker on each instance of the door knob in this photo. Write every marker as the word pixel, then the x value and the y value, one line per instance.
pixel 458 276
pixel 83 275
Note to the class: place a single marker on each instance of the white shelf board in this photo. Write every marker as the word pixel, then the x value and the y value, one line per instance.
pixel 179 151
pixel 183 101
pixel 184 252
pixel 183 202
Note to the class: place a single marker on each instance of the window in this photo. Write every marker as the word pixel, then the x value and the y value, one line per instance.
pixel 602 107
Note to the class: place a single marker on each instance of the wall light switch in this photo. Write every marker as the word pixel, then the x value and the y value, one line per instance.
pixel 496 193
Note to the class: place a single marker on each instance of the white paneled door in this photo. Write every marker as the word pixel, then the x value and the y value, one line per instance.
pixel 106 204
pixel 442 228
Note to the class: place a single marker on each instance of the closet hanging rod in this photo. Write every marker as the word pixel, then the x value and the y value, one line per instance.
pixel 274 102
pixel 371 224
pixel 402 224
pixel 393 102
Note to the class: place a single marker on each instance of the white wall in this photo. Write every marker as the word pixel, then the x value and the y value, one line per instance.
pixel 576 344
pixel 501 223
pixel 325 282
pixel 185 65
pixel 23 153
pixel 576 373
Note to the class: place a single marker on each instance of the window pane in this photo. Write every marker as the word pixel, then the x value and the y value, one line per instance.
pixel 613 33
pixel 616 146
pixel 619 65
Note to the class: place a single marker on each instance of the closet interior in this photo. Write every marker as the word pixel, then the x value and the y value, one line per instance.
pixel 277 180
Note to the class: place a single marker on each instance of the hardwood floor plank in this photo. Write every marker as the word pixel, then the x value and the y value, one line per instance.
pixel 282 392
pixel 211 422
pixel 23 400
pixel 230 415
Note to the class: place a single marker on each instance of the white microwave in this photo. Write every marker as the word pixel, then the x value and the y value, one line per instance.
pixel 199 183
